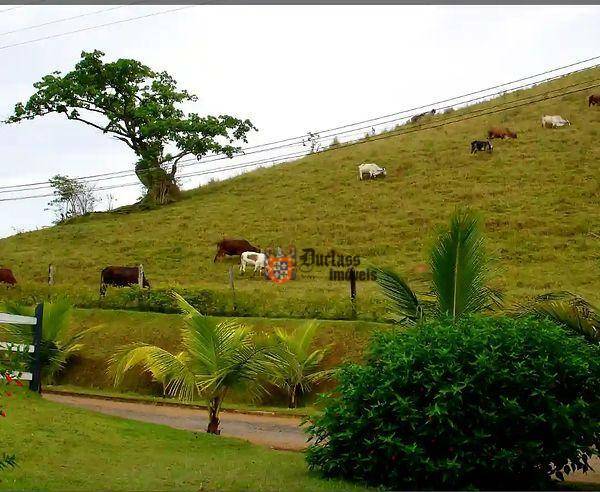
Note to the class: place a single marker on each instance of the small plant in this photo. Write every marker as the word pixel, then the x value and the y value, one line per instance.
pixel 292 366
pixel 217 357
pixel 482 402
pixel 460 269
pixel 72 198
pixel 9 366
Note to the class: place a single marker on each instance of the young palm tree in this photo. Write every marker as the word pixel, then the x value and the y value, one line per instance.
pixel 567 309
pixel 293 366
pixel 216 357
pixel 59 341
pixel 459 269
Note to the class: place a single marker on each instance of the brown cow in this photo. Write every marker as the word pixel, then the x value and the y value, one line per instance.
pixel 7 277
pixel 594 100
pixel 233 247
pixel 120 276
pixel 503 133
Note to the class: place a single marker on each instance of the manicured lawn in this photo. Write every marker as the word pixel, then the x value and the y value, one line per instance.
pixel 62 448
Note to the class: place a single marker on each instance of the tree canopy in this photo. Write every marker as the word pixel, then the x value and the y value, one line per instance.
pixel 141 108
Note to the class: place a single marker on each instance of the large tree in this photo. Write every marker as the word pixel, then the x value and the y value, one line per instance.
pixel 139 107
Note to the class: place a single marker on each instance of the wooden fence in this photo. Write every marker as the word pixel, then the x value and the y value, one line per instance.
pixel 34 374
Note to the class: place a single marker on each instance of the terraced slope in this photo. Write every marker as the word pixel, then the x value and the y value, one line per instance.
pixel 539 197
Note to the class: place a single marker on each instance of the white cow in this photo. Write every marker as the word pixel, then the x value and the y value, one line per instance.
pixel 258 260
pixel 373 170
pixel 554 121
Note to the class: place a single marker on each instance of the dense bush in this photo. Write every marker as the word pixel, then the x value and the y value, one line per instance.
pixel 481 403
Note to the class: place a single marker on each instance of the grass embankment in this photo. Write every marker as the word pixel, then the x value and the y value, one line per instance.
pixel 538 195
pixel 63 448
pixel 118 328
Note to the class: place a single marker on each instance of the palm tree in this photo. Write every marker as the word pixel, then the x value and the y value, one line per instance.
pixel 568 310
pixel 459 270
pixel 293 366
pixel 216 357
pixel 59 341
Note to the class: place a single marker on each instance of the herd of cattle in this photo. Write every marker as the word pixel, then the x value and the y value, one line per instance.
pixel 120 276
pixel 372 171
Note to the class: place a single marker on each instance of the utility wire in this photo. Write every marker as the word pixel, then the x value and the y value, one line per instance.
pixel 192 161
pixel 52 36
pixel 64 19
pixel 347 145
pixel 526 98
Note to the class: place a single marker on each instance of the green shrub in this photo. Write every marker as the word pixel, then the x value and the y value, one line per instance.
pixel 481 403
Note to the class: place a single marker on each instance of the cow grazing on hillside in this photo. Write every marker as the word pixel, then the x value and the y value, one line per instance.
pixel 233 247
pixel 258 260
pixel 594 100
pixel 371 170
pixel 502 133
pixel 417 117
pixel 7 277
pixel 119 276
pixel 554 121
pixel 481 145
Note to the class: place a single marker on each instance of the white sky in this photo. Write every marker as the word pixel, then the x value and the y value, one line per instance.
pixel 290 69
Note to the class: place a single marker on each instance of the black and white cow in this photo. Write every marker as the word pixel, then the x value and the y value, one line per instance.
pixel 481 145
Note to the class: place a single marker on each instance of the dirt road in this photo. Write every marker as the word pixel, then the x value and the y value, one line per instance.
pixel 274 432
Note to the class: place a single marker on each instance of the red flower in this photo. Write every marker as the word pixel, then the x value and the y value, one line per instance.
pixel 8 377
pixel 2 413
pixel 8 393
pixel 19 383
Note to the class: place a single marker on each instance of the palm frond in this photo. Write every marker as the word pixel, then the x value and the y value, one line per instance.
pixel 568 310
pixel 459 267
pixel 405 306
pixel 161 364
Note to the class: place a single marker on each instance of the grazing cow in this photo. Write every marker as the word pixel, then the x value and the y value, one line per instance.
pixel 119 276
pixel 372 170
pixel 7 277
pixel 259 260
pixel 502 133
pixel 233 247
pixel 554 121
pixel 481 145
pixel 417 117
pixel 594 100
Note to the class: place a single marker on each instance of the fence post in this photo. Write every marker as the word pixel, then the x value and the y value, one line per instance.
pixel 141 276
pixel 51 271
pixel 232 287
pixel 36 380
pixel 352 277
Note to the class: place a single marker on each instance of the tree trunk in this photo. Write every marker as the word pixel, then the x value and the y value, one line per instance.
pixel 214 407
pixel 161 185
pixel 293 397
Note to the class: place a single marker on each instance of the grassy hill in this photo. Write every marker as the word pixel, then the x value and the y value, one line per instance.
pixel 538 195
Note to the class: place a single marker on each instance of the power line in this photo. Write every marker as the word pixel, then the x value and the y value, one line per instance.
pixel 64 19
pixel 52 36
pixel 192 161
pixel 130 172
pixel 346 146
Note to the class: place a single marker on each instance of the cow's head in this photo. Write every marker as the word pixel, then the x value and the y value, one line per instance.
pixel 512 134
pixel 383 171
